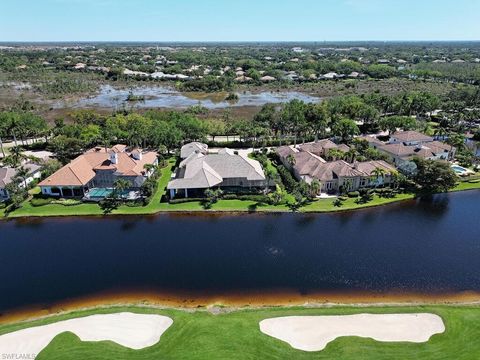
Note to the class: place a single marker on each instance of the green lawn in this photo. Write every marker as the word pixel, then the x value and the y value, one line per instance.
pixel 155 206
pixel 236 335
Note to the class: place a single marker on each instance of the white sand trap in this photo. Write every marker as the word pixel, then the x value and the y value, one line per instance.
pixel 135 331
pixel 313 333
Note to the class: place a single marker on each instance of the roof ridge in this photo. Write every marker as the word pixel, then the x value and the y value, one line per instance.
pixel 73 172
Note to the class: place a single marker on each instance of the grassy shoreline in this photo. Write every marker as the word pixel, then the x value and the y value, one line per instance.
pixel 222 206
pixel 223 333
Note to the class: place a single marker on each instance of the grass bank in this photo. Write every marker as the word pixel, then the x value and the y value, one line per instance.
pixel 156 206
pixel 236 335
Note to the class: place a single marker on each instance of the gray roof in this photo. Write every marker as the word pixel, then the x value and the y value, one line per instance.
pixel 6 176
pixel 193 147
pixel 408 136
pixel 204 171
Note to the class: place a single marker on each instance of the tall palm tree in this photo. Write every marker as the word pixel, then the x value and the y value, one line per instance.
pixel 378 173
pixel 351 155
pixel 22 173
pixel 17 156
pixel 120 186
pixel 315 187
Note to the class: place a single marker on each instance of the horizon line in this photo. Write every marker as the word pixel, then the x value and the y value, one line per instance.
pixel 232 41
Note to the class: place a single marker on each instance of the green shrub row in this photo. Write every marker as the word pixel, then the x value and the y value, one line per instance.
pixel 185 200
pixel 38 201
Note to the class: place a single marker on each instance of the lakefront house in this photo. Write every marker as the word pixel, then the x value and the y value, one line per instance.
pixel 404 146
pixel 226 169
pixel 93 174
pixel 334 175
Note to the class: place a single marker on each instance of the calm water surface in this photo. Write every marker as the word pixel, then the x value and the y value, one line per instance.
pixel 165 97
pixel 419 246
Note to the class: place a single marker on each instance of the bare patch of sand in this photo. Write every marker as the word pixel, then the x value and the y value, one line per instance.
pixel 313 333
pixel 135 331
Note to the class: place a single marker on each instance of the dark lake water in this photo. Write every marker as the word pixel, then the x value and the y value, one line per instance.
pixel 428 246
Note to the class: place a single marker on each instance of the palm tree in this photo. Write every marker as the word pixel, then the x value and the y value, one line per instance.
pixel 150 168
pixel 16 156
pixel 395 179
pixel 378 173
pixel 315 187
pixel 335 154
pixel 22 173
pixel 348 184
pixel 291 160
pixel 120 186
pixel 269 175
pixel 351 155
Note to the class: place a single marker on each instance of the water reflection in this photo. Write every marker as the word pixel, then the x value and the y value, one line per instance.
pixel 421 246
pixel 165 97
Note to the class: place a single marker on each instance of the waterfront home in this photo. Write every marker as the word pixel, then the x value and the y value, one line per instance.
pixel 227 169
pixel 95 172
pixel 335 176
pixel 8 174
pixel 322 147
pixel 403 146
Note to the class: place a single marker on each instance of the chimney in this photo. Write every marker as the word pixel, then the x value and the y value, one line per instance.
pixel 113 157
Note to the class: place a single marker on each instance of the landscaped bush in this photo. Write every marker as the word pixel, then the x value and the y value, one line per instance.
pixel 67 202
pixel 257 198
pixel 3 205
pixel 475 181
pixel 287 179
pixel 353 194
pixel 185 200
pixel 38 201
pixel 136 203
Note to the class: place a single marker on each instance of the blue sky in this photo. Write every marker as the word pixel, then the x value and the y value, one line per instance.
pixel 246 20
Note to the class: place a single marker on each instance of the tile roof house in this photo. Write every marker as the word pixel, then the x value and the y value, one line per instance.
pixel 334 175
pixel 99 168
pixel 225 169
pixel 405 145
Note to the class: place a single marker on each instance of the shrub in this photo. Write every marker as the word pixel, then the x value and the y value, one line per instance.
pixel 287 179
pixel 475 181
pixel 38 201
pixel 185 200
pixel 67 202
pixel 353 194
pixel 136 203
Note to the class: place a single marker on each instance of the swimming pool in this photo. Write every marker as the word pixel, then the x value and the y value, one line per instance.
pixel 102 193
pixel 459 170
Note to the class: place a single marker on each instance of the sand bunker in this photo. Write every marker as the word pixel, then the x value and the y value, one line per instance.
pixel 135 331
pixel 313 333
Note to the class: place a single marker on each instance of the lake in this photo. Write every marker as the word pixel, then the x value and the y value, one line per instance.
pixel 166 97
pixel 422 246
